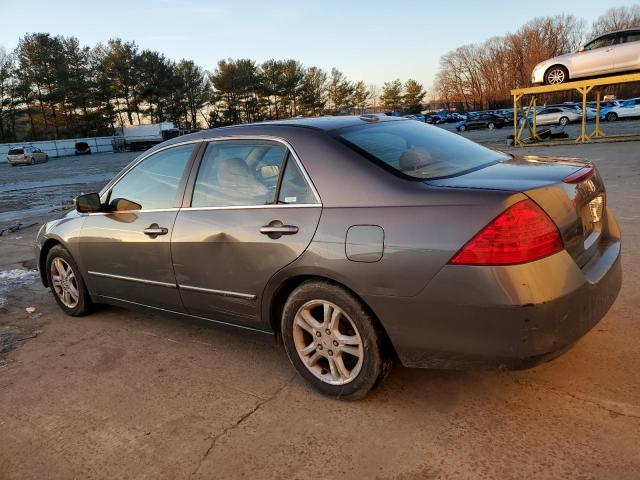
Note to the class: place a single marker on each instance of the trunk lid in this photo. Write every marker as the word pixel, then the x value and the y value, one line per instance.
pixel 577 209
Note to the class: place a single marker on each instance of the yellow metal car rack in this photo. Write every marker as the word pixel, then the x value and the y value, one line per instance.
pixel 584 87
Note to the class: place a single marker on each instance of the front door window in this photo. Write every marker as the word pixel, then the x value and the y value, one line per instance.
pixel 153 183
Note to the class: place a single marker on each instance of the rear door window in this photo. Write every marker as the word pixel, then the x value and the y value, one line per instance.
pixel 632 37
pixel 294 188
pixel 238 173
pixel 417 150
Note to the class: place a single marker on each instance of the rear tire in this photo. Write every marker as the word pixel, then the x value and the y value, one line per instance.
pixel 611 117
pixel 333 341
pixel 33 161
pixel 563 121
pixel 66 283
pixel 462 128
pixel 491 126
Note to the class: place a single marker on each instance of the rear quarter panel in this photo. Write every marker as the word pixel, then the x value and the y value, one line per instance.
pixel 419 240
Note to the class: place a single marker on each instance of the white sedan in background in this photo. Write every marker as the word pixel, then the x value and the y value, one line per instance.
pixel 556 116
pixel 627 108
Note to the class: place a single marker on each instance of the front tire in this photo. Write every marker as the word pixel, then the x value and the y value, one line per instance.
pixel 564 121
pixel 611 117
pixel 556 75
pixel 462 128
pixel 66 283
pixel 333 341
pixel 491 126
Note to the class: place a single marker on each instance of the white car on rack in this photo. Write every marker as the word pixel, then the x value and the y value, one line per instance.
pixel 607 54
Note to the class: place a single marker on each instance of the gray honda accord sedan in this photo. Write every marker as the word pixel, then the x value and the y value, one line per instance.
pixel 354 240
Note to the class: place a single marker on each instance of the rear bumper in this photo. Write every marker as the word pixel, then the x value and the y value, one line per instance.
pixel 509 317
pixel 20 161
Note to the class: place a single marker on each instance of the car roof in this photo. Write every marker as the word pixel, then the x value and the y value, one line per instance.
pixel 624 30
pixel 326 124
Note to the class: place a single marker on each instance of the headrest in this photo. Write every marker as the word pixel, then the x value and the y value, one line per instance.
pixel 415 159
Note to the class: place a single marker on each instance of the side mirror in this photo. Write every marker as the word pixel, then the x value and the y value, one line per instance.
pixel 88 203
pixel 581 49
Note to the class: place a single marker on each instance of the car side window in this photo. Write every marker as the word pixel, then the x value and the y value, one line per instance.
pixel 604 41
pixel 238 173
pixel 294 188
pixel 154 182
pixel 631 37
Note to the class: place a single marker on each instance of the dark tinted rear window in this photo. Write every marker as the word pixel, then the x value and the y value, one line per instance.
pixel 16 151
pixel 418 150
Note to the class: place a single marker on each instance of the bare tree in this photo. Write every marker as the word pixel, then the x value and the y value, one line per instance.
pixel 617 19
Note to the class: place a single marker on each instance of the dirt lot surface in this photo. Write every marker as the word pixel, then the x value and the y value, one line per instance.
pixel 121 394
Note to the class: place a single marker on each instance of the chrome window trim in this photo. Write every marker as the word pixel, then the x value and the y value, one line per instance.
pixel 132 279
pixel 121 212
pixel 196 209
pixel 293 153
pixel 252 207
pixel 223 293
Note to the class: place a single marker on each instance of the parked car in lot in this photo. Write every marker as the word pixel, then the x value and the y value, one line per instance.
pixel 604 104
pixel 26 156
pixel 82 148
pixel 432 119
pixel 556 116
pixel 610 53
pixel 356 240
pixel 625 109
pixel 481 120
pixel 416 116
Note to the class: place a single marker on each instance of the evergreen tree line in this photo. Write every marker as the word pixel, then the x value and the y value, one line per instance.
pixel 53 87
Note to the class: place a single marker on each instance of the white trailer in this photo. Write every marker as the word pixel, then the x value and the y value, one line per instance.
pixel 141 137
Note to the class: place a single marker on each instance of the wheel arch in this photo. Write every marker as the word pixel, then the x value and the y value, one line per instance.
pixel 42 260
pixel 274 305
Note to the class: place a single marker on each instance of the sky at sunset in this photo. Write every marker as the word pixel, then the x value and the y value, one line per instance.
pixel 370 40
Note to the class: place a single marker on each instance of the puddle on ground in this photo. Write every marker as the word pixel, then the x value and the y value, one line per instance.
pixel 15 278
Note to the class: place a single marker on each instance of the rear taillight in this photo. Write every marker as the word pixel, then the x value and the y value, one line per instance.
pixel 522 233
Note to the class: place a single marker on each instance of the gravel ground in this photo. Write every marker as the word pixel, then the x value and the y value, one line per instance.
pixel 122 394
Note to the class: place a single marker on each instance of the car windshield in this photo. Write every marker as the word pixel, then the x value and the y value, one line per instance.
pixel 417 150
pixel 16 151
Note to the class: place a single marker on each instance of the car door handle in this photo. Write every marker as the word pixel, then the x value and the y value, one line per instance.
pixel 279 230
pixel 154 230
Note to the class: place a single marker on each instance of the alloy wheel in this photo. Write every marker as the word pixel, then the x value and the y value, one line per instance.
pixel 64 283
pixel 555 76
pixel 328 342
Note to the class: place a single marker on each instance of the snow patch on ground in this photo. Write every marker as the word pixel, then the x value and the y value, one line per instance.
pixel 15 278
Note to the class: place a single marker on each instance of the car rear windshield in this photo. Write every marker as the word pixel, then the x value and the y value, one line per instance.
pixel 418 150
pixel 16 151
